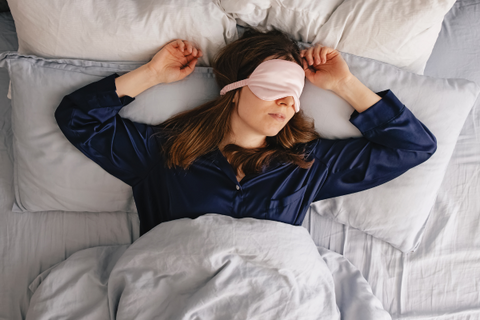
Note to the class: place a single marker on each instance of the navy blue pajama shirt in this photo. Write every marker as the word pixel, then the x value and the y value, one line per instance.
pixel 393 142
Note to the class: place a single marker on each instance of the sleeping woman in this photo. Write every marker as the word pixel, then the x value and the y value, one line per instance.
pixel 251 152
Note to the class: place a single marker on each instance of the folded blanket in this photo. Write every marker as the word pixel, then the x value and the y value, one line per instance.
pixel 212 267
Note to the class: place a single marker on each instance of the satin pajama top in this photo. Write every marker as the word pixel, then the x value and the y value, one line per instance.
pixel 393 142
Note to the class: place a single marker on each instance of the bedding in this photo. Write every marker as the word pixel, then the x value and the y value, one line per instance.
pixel 404 31
pixel 437 281
pixel 440 280
pixel 401 33
pixel 212 267
pixel 126 30
pixel 8 41
pixel 50 174
pixel 8 34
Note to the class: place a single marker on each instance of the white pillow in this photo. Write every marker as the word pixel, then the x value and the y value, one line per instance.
pixel 51 174
pixel 119 30
pixel 302 19
pixel 401 32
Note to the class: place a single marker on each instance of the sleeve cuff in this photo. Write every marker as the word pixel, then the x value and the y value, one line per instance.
pixel 106 88
pixel 125 99
pixel 380 113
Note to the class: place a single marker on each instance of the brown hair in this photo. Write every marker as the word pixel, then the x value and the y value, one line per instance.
pixel 193 133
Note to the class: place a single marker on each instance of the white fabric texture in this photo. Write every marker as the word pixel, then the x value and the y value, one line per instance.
pixel 212 267
pixel 401 33
pixel 50 174
pixel 126 30
pixel 440 280
pixel 301 19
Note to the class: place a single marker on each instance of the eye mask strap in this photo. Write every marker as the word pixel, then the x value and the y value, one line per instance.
pixel 233 86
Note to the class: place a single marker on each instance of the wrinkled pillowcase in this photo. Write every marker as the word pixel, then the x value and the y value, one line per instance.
pixel 126 30
pixel 51 174
pixel 401 33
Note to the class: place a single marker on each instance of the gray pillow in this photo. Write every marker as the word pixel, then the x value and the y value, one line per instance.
pixel 51 174
pixel 8 42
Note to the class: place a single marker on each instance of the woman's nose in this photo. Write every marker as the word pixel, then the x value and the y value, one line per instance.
pixel 286 101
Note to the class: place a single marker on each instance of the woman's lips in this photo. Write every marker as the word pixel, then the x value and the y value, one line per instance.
pixel 278 116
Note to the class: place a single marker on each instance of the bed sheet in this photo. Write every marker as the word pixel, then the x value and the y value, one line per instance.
pixel 438 281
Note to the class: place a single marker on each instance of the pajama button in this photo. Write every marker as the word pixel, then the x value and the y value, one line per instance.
pixel 238 187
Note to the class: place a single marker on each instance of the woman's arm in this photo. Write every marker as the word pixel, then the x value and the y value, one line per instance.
pixel 326 69
pixel 173 62
pixel 393 141
pixel 135 82
pixel 356 94
pixel 89 116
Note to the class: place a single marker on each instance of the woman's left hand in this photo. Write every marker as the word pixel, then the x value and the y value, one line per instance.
pixel 324 67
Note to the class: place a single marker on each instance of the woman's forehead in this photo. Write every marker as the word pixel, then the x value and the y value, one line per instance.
pixel 289 57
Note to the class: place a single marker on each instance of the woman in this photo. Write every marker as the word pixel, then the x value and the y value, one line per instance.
pixel 251 152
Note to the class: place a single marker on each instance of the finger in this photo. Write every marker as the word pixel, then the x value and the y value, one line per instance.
pixel 324 53
pixel 306 68
pixel 172 43
pixel 308 56
pixel 316 54
pixel 180 45
pixel 320 54
pixel 302 53
pixel 188 47
pixel 188 68
pixel 304 64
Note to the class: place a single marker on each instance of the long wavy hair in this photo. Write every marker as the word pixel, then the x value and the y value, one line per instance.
pixel 197 132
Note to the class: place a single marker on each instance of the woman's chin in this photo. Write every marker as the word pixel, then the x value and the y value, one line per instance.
pixel 273 133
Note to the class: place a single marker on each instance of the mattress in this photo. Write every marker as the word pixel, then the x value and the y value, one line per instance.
pixel 440 280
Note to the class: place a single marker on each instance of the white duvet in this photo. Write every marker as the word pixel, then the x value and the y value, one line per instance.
pixel 212 267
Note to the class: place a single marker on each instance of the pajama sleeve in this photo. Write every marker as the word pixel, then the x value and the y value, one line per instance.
pixel 393 141
pixel 89 119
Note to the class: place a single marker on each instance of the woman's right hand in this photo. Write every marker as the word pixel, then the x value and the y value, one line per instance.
pixel 174 61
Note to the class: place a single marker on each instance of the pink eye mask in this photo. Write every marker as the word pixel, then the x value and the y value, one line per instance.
pixel 272 80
